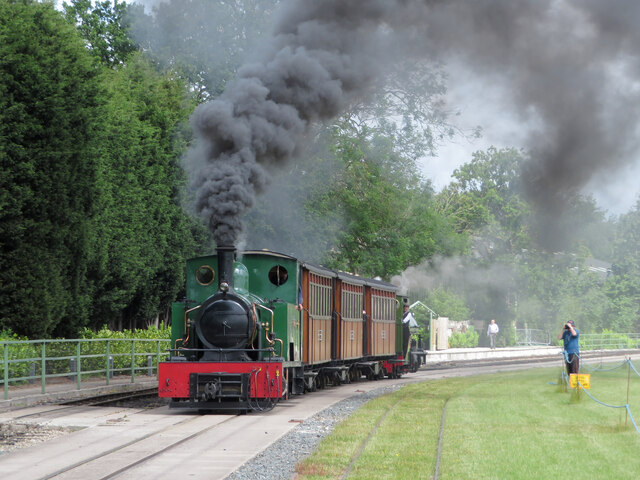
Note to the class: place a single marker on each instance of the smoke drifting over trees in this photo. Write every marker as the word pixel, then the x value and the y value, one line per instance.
pixel 319 58
pixel 569 68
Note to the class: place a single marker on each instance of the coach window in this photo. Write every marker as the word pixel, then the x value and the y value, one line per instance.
pixel 278 275
pixel 205 275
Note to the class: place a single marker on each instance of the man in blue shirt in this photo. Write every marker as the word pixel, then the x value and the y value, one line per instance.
pixel 569 335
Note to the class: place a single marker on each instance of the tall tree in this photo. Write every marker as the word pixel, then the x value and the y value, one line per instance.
pixel 484 200
pixel 624 287
pixel 204 41
pixel 49 95
pixel 105 27
pixel 389 218
pixel 142 234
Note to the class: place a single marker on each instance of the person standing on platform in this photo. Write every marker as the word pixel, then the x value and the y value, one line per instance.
pixel 569 335
pixel 492 331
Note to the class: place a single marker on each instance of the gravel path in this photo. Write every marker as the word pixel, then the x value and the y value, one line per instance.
pixel 16 435
pixel 278 461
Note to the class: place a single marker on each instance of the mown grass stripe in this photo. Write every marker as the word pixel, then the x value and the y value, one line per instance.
pixel 444 413
pixel 366 440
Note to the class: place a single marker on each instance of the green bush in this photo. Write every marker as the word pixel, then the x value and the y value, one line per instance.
pixel 64 350
pixel 17 352
pixel 120 348
pixel 607 340
pixel 464 339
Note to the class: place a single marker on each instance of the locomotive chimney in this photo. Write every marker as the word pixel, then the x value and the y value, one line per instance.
pixel 226 254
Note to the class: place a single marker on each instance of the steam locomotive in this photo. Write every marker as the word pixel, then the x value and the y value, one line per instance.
pixel 259 328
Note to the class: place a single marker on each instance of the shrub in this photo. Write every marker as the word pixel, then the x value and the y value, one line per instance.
pixel 464 339
pixel 119 349
pixel 17 352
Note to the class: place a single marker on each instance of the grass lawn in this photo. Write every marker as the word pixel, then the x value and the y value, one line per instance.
pixel 518 425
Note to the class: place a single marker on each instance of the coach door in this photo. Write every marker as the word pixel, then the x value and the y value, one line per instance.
pixel 318 305
pixel 383 316
pixel 350 321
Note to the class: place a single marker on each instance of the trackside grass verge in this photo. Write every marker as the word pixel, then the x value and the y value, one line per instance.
pixel 515 425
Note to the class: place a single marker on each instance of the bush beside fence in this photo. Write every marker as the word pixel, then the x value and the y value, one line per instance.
pixel 121 353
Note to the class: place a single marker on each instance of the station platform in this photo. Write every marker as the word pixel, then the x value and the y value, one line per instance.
pixel 484 353
pixel 63 390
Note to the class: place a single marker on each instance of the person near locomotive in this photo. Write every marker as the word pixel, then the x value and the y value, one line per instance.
pixel 407 316
pixel 492 332
pixel 569 335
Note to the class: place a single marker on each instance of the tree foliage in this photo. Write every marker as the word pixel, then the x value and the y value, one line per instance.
pixel 538 288
pixel 142 235
pixel 49 101
pixel 105 27
pixel 448 303
pixel 623 288
pixel 484 200
pixel 389 219
pixel 203 41
pixel 92 228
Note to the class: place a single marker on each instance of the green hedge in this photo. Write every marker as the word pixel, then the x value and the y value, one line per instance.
pixel 607 340
pixel 16 352
pixel 464 339
pixel 119 349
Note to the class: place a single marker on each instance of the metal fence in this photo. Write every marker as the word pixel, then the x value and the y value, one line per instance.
pixel 588 341
pixel 609 341
pixel 27 361
pixel 531 336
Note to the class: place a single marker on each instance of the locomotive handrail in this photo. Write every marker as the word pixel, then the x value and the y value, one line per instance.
pixel 271 312
pixel 185 340
pixel 29 360
pixel 266 331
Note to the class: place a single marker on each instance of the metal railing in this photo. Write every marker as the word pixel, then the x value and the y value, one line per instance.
pixel 588 341
pixel 531 336
pixel 26 361
pixel 609 341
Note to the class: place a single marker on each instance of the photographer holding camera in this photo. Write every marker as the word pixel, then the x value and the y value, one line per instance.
pixel 569 334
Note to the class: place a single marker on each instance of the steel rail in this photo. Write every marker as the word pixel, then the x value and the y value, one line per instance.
pixel 143 459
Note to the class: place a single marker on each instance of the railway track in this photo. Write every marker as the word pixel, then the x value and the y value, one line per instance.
pixel 117 398
pixel 137 451
pixel 141 399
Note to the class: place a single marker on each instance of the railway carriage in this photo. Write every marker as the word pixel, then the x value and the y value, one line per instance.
pixel 262 326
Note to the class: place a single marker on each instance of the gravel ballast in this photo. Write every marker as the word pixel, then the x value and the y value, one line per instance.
pixel 278 461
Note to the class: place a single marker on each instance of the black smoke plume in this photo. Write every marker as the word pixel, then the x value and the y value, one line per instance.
pixel 568 67
pixel 321 56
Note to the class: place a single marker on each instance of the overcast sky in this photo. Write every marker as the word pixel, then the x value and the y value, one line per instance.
pixel 483 103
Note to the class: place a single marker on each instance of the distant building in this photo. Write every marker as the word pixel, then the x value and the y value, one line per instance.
pixel 600 267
